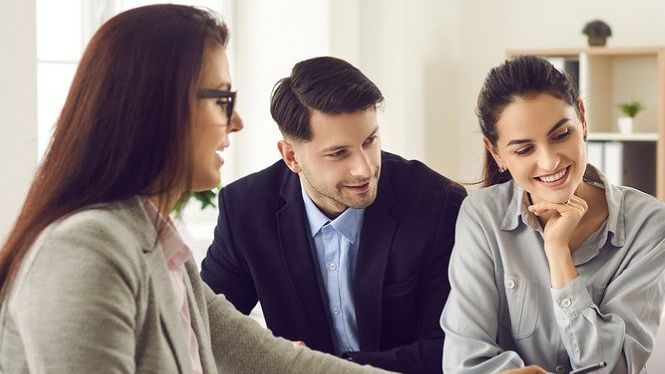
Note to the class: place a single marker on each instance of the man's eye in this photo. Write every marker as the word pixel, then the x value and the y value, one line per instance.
pixel 337 154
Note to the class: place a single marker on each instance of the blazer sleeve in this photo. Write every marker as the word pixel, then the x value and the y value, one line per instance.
pixel 75 304
pixel 241 345
pixel 224 268
pixel 424 355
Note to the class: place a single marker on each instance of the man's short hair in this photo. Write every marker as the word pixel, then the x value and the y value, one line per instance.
pixel 325 84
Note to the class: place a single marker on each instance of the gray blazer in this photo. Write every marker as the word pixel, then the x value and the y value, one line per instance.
pixel 94 295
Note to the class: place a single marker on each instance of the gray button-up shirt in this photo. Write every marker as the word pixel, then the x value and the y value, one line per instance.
pixel 502 313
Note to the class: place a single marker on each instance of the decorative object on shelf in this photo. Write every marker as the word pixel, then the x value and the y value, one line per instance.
pixel 206 198
pixel 630 110
pixel 597 31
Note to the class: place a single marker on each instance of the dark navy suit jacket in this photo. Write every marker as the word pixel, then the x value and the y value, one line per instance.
pixel 262 251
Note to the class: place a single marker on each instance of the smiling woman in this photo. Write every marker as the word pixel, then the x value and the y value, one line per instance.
pixel 546 160
pixel 553 268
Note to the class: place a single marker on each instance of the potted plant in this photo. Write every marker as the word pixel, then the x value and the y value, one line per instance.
pixel 205 198
pixel 629 110
pixel 597 32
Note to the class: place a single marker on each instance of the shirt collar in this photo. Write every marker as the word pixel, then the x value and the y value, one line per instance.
pixel 175 249
pixel 348 223
pixel 519 202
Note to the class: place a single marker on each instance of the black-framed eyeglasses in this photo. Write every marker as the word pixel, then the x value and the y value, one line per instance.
pixel 225 99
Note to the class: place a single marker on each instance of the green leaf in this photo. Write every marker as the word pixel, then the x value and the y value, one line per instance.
pixel 631 108
pixel 205 198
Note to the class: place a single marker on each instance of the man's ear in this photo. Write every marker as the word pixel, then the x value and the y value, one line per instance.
pixel 491 148
pixel 581 112
pixel 288 152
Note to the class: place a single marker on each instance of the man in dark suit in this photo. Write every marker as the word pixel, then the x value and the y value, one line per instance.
pixel 346 247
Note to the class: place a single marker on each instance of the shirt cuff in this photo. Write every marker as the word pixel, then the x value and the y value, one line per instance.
pixel 571 299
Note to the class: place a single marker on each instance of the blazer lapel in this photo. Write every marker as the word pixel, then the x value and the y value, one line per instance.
pixel 201 328
pixel 375 241
pixel 298 254
pixel 168 312
pixel 161 283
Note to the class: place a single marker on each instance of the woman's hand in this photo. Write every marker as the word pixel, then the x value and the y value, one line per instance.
pixel 557 234
pixel 531 369
pixel 562 223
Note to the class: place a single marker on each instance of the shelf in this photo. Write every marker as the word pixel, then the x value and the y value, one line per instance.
pixel 595 51
pixel 624 51
pixel 619 137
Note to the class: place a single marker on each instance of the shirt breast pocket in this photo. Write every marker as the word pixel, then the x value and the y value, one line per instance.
pixel 523 306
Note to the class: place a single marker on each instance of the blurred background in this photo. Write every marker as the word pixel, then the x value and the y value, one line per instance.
pixel 429 58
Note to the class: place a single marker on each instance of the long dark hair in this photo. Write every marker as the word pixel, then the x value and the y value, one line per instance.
pixel 523 76
pixel 124 129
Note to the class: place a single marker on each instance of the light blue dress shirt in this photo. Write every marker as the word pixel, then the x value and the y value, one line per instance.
pixel 502 313
pixel 336 251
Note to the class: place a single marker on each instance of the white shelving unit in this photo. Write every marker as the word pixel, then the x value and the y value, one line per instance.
pixel 619 137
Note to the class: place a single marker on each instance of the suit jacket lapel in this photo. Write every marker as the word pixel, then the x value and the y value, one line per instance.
pixel 375 241
pixel 295 245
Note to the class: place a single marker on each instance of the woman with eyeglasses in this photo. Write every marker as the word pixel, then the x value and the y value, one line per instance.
pixel 94 277
pixel 554 268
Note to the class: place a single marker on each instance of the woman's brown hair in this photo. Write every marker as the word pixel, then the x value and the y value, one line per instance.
pixel 523 76
pixel 124 129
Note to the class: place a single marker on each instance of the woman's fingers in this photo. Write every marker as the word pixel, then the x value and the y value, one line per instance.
pixel 575 204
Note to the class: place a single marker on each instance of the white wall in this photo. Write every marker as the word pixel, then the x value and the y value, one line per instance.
pixel 269 38
pixel 18 103
pixel 410 50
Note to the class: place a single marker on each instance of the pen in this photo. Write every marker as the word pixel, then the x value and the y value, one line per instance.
pixel 590 368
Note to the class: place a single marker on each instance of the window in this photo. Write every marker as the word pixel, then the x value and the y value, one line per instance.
pixel 63 30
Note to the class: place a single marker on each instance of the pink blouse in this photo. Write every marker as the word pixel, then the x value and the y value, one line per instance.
pixel 177 253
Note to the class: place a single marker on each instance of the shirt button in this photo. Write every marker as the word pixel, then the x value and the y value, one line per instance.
pixel 510 284
pixel 332 266
pixel 337 311
pixel 565 303
pixel 560 370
